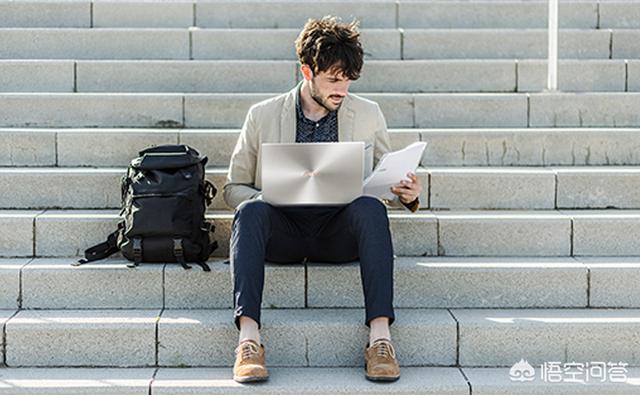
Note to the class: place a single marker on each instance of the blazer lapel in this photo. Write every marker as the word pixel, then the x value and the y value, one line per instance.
pixel 345 120
pixel 288 117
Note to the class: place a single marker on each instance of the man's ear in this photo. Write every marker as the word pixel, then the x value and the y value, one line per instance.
pixel 307 73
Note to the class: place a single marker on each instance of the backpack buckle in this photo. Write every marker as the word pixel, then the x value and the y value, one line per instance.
pixel 177 247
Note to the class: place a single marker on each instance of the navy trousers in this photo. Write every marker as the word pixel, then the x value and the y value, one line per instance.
pixel 359 230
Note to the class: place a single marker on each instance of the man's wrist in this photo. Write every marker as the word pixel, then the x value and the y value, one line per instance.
pixel 413 206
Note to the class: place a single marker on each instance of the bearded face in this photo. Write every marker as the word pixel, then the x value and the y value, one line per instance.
pixel 328 88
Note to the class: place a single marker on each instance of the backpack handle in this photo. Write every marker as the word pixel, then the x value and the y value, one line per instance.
pixel 169 148
pixel 168 157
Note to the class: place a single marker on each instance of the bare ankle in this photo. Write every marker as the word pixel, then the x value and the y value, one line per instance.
pixel 248 330
pixel 379 329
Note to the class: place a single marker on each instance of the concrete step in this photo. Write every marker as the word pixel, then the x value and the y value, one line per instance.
pixel 424 380
pixel 117 147
pixel 292 14
pixel 304 380
pixel 301 380
pixel 104 147
pixel 521 188
pixel 581 75
pixel 99 188
pixel 174 43
pixel 494 14
pixel 444 188
pixel 297 337
pixel 531 147
pixel 278 14
pixel 586 381
pixel 260 76
pixel 15 14
pixel 619 14
pixel 60 233
pixel 76 381
pixel 78 229
pixel 625 44
pixel 509 43
pixel 178 338
pixel 435 282
pixel 277 44
pixel 499 337
pixel 257 76
pixel 228 110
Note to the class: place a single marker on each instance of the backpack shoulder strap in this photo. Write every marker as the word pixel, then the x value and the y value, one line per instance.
pixel 102 250
pixel 204 266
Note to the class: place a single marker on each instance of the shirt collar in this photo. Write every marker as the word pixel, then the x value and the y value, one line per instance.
pixel 300 113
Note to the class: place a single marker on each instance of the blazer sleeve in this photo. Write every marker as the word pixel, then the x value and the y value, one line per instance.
pixel 240 183
pixel 382 146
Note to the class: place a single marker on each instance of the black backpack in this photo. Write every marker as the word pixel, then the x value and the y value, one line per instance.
pixel 164 199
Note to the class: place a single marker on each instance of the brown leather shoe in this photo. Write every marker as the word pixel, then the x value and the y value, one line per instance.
pixel 380 361
pixel 249 365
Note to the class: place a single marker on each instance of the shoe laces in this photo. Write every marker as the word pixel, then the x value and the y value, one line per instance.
pixel 248 349
pixel 384 348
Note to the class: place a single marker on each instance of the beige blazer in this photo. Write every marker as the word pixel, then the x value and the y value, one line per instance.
pixel 274 121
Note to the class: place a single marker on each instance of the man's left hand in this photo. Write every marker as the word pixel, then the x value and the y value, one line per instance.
pixel 408 191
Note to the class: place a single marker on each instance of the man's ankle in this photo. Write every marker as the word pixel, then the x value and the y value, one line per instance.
pixel 249 330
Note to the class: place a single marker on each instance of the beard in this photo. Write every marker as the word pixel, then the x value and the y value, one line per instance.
pixel 324 101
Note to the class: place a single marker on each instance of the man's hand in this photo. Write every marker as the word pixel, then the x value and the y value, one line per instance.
pixel 408 191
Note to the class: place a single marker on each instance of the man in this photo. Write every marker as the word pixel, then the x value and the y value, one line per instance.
pixel 318 109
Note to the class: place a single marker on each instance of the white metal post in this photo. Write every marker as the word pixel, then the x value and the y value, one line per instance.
pixel 552 61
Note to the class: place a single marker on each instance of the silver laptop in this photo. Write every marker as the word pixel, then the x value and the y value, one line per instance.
pixel 312 173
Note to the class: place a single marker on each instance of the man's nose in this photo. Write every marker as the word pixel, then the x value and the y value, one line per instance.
pixel 342 89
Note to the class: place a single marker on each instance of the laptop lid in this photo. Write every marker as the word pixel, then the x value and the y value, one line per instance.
pixel 312 173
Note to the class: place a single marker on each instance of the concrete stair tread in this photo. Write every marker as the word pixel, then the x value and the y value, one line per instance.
pixel 427 232
pixel 484 147
pixel 401 110
pixel 293 29
pixel 390 43
pixel 297 30
pixel 303 380
pixel 453 214
pixel 585 130
pixel 228 76
pixel 287 13
pixel 300 380
pixel 420 282
pixel 497 214
pixel 297 337
pixel 450 187
pixel 402 263
pixel 273 93
pixel 451 170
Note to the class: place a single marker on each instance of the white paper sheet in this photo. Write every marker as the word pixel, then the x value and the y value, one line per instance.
pixel 392 168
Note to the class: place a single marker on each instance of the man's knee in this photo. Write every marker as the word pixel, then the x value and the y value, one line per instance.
pixel 252 212
pixel 368 205
pixel 254 209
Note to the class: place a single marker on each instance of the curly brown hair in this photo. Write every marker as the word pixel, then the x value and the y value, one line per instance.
pixel 325 44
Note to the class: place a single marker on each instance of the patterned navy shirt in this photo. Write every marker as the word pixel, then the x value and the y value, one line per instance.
pixel 322 130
